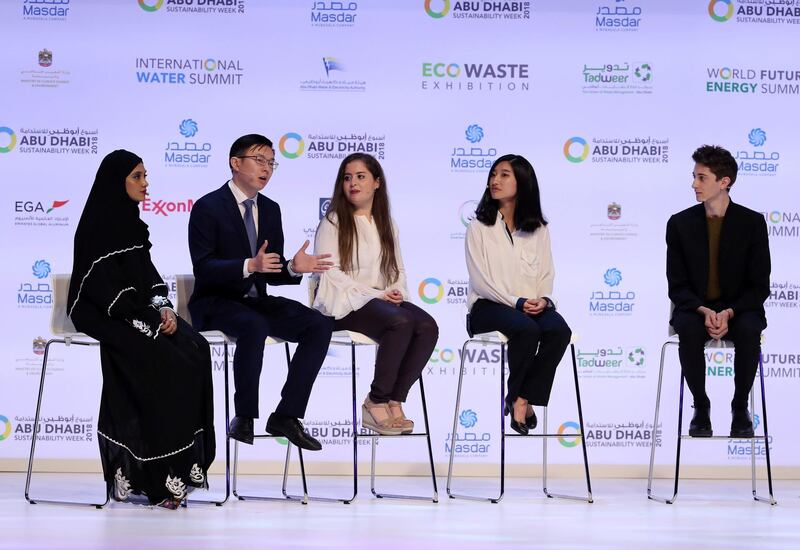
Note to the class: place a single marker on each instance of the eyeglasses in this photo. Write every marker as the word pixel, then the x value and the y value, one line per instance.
pixel 261 161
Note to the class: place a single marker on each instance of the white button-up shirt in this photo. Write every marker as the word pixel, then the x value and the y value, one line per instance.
pixel 505 268
pixel 340 293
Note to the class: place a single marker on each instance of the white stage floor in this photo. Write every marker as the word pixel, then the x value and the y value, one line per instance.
pixel 708 514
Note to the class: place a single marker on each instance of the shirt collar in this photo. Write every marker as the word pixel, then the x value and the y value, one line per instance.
pixel 239 196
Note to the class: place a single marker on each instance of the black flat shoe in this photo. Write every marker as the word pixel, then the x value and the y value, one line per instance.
pixel 520 428
pixel 700 426
pixel 241 429
pixel 293 430
pixel 741 424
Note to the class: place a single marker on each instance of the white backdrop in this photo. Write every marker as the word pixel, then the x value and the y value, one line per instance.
pixel 607 98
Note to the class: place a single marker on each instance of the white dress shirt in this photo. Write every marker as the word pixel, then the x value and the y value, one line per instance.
pixel 340 293
pixel 505 268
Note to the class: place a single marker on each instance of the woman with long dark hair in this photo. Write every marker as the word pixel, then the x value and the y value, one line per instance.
pixel 511 285
pixel 155 425
pixel 366 291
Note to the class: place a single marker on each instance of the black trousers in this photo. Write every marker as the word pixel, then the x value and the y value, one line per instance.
pixel 530 370
pixel 744 330
pixel 407 336
pixel 250 321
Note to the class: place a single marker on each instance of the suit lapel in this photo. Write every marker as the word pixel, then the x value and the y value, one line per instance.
pixel 235 217
pixel 700 229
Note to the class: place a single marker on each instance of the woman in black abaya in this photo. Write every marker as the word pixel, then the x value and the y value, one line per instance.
pixel 155 425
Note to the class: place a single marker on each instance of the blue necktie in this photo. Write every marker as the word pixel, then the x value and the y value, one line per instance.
pixel 250 225
pixel 252 236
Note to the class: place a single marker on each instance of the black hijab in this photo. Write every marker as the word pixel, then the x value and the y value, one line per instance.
pixel 110 221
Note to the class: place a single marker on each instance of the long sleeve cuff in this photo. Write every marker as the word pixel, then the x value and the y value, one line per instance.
pixel 520 306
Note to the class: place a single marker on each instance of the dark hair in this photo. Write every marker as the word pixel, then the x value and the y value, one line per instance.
pixel 528 208
pixel 244 143
pixel 380 214
pixel 719 161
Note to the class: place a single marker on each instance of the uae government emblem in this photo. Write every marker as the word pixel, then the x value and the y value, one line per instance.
pixel 614 211
pixel 45 58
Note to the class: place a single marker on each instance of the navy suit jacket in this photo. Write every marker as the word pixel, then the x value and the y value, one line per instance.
pixel 744 261
pixel 219 246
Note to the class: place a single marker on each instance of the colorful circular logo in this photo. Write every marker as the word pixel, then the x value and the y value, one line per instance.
pixel 151 6
pixel 725 73
pixel 12 141
pixel 5 425
pixel 423 287
pixel 433 13
pixel 712 10
pixel 568 441
pixel 467 212
pixel 299 148
pixel 576 141
pixel 775 217
pixel 210 65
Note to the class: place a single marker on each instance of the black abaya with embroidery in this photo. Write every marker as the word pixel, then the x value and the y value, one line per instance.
pixel 155 425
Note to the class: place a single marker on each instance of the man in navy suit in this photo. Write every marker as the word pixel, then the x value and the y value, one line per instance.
pixel 718 268
pixel 236 244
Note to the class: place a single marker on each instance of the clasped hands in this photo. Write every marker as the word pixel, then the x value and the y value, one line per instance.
pixel 534 306
pixel 270 262
pixel 716 323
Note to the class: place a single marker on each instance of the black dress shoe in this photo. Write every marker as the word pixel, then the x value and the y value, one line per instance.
pixel 241 429
pixel 519 427
pixel 531 421
pixel 741 424
pixel 293 430
pixel 700 426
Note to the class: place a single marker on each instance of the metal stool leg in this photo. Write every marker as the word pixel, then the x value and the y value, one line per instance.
pixel 454 433
pixel 426 433
pixel 302 499
pixel 30 499
pixel 771 498
pixel 227 439
pixel 588 498
pixel 355 440
pixel 650 494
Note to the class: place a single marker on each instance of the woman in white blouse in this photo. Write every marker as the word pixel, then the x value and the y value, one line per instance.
pixel 511 283
pixel 366 291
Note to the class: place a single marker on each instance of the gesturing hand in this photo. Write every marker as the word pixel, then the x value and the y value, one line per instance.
pixel 169 322
pixel 534 306
pixel 393 297
pixel 265 262
pixel 309 263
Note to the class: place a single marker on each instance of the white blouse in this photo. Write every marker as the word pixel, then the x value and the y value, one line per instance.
pixel 340 293
pixel 504 268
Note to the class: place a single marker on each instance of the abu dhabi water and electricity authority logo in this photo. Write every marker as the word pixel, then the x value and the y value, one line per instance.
pixel 613 300
pixel 473 156
pixel 187 152
pixel 478 11
pixel 334 80
pixel 466 213
pixel 754 159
